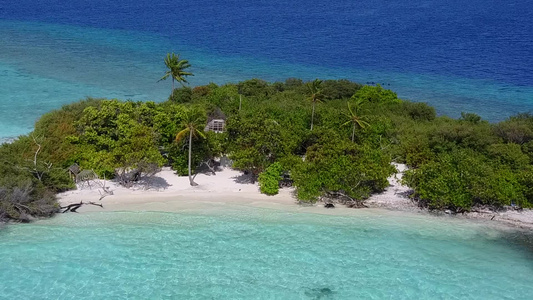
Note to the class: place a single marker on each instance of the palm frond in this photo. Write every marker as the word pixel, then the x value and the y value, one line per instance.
pixel 176 68
pixel 167 74
pixel 362 123
pixel 200 133
pixel 347 123
pixel 315 91
pixel 354 116
pixel 350 109
pixel 182 134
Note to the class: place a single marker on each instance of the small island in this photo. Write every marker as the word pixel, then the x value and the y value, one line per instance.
pixel 333 142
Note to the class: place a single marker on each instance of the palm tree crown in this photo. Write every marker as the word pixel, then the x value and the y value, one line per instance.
pixel 355 117
pixel 176 69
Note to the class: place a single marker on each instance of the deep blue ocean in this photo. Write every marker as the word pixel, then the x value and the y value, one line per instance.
pixel 472 56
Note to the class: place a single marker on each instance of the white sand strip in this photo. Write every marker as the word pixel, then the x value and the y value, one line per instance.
pixel 172 193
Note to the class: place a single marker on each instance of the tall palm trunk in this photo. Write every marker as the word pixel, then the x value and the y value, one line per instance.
pixel 353 133
pixel 191 181
pixel 172 87
pixel 313 116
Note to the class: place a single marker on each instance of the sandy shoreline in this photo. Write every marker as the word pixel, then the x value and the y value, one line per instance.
pixel 168 192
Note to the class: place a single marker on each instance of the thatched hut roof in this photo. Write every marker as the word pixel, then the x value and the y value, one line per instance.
pixel 216 114
pixel 74 169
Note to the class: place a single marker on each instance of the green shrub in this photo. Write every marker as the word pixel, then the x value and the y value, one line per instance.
pixel 336 166
pixel 255 88
pixel 517 129
pixel 525 179
pixel 419 111
pixel 376 94
pixel 269 179
pixel 339 89
pixel 181 95
pixel 470 118
pixel 509 154
pixel 294 84
pixel 463 178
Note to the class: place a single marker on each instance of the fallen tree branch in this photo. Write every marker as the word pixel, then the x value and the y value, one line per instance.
pixel 74 206
pixel 105 191
pixel 345 199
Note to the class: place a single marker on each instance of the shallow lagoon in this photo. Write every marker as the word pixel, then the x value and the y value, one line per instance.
pixel 253 253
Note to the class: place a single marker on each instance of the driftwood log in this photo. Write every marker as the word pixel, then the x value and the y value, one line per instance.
pixel 343 198
pixel 74 206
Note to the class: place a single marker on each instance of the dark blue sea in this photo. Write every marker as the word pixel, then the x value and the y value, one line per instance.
pixel 472 56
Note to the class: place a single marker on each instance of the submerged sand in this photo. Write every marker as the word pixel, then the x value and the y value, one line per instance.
pixel 168 192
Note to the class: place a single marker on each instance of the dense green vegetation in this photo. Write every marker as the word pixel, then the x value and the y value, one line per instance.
pixel 461 163
pixel 335 138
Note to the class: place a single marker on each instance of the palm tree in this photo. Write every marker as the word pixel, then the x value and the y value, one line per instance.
pixel 315 95
pixel 176 69
pixel 192 125
pixel 355 117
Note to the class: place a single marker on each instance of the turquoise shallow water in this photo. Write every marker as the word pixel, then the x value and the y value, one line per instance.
pixel 261 254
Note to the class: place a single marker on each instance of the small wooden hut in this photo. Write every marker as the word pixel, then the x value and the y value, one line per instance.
pixel 73 171
pixel 216 121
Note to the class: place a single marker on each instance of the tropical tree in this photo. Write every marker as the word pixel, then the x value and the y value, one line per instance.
pixel 176 69
pixel 315 95
pixel 355 117
pixel 193 122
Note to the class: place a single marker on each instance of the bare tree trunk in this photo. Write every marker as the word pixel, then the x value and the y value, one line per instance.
pixel 39 175
pixel 191 180
pixel 35 171
pixel 313 116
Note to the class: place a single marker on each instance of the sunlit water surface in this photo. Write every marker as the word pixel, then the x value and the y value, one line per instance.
pixel 262 254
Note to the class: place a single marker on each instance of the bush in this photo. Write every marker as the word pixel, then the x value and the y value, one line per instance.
pixel 509 154
pixel 294 84
pixel 470 118
pixel 376 94
pixel 181 95
pixel 419 111
pixel 255 88
pixel 460 179
pixel 269 179
pixel 525 179
pixel 339 89
pixel 201 91
pixel 517 129
pixel 336 166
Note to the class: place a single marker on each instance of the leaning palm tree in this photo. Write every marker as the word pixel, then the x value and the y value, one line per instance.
pixel 315 95
pixel 355 117
pixel 176 69
pixel 192 124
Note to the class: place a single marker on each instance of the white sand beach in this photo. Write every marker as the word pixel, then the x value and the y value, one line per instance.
pixel 169 192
